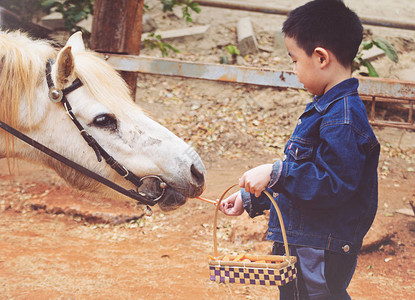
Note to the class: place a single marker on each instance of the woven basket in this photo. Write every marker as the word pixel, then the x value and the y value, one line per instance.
pixel 260 269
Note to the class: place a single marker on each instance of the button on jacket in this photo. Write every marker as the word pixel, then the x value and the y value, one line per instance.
pixel 327 183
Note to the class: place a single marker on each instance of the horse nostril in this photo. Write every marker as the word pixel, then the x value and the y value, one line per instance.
pixel 198 175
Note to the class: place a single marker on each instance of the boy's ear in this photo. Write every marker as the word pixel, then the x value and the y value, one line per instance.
pixel 322 55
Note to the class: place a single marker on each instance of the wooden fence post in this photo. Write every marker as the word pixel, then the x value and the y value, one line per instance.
pixel 116 28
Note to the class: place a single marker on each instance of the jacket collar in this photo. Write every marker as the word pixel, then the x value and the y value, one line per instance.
pixel 343 89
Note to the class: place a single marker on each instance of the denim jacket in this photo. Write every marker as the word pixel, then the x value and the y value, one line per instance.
pixel 326 185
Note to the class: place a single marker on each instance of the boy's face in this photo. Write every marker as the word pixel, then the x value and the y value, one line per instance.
pixel 306 67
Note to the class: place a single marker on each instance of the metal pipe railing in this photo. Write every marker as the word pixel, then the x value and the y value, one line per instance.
pixel 371 89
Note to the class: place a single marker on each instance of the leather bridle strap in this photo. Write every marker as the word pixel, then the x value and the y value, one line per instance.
pixel 129 193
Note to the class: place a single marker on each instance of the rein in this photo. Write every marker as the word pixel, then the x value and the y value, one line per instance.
pixel 56 96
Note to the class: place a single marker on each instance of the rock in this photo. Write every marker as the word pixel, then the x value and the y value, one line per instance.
pixel 373 53
pixel 279 40
pixel 406 211
pixel 247 42
pixel 266 49
pixel 240 60
pixel 53 20
pixel 149 24
pixel 195 32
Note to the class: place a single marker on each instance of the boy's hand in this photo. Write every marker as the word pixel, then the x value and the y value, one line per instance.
pixel 256 180
pixel 232 206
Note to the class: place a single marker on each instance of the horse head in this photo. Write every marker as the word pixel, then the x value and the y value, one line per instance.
pixel 104 108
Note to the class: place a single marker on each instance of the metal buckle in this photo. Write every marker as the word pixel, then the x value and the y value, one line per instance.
pixel 163 186
pixel 68 111
pixel 126 172
pixel 55 95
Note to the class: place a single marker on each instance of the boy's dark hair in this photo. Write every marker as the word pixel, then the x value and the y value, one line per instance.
pixel 328 24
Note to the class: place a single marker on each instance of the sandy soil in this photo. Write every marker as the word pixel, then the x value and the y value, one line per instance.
pixel 57 243
pixel 52 247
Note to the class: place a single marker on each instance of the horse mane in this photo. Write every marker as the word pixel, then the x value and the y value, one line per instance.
pixel 22 62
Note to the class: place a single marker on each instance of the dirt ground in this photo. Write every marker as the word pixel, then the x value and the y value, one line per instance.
pixel 57 243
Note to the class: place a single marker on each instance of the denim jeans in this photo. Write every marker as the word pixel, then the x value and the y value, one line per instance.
pixel 322 274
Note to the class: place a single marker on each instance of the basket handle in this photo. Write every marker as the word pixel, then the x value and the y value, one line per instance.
pixel 215 222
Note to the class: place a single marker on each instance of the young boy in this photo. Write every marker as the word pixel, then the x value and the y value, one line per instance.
pixel 326 184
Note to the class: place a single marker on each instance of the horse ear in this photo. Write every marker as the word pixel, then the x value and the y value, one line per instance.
pixel 76 42
pixel 65 67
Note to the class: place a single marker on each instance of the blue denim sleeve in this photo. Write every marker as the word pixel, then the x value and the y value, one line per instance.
pixel 276 173
pixel 255 206
pixel 331 177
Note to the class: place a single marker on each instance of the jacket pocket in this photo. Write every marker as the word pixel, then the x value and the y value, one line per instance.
pixel 300 151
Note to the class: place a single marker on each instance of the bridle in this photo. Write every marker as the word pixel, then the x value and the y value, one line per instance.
pixel 56 95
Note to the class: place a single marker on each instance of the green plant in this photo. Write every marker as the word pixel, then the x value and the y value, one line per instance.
pixel 187 7
pixel 154 40
pixel 72 11
pixel 360 62
pixel 233 51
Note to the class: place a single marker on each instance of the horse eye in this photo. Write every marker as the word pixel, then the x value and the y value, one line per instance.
pixel 105 121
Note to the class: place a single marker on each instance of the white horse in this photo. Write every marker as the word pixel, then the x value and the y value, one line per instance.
pixel 103 106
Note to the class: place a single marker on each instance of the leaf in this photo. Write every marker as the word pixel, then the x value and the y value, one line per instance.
pixel 366 45
pixel 387 48
pixel 195 7
pixel 233 50
pixel 186 14
pixel 49 3
pixel 370 68
pixel 171 48
pixel 168 5
pixel 76 17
